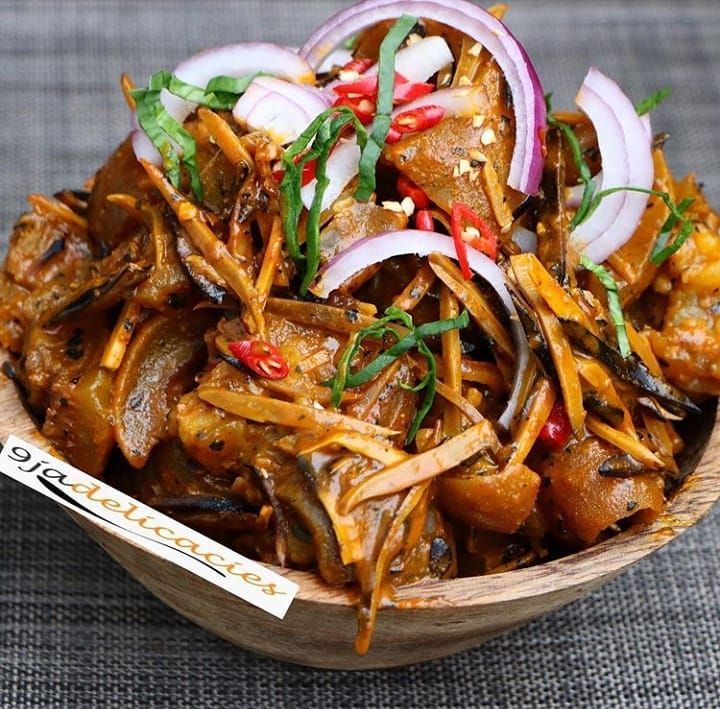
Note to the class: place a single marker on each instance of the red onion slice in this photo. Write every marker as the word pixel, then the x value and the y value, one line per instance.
pixel 279 116
pixel 574 195
pixel 144 149
pixel 374 249
pixel 416 63
pixel 342 166
pixel 236 60
pixel 525 239
pixel 340 57
pixel 527 92
pixel 625 142
pixel 280 108
pixel 231 60
pixel 462 101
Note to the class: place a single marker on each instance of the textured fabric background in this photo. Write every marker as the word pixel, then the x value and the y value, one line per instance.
pixel 76 631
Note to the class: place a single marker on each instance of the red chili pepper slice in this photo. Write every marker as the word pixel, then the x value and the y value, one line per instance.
pixel 362 107
pixel 407 188
pixel 487 242
pixel 260 357
pixel 418 119
pixel 367 86
pixel 460 245
pixel 404 93
pixel 557 430
pixel 424 220
pixel 359 66
pixel 308 172
pixel 393 136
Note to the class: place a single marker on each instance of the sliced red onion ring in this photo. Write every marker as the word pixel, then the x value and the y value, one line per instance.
pixel 462 101
pixel 625 142
pixel 144 149
pixel 280 108
pixel 527 92
pixel 236 60
pixel 309 97
pixel 525 239
pixel 340 57
pixel 374 249
pixel 342 166
pixel 231 60
pixel 416 63
pixel 279 116
pixel 574 195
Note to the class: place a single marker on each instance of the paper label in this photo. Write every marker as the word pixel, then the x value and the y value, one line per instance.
pixel 139 524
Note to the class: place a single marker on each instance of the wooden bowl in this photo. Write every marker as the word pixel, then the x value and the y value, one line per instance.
pixel 431 620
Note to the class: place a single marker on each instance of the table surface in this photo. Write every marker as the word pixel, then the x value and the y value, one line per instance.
pixel 76 630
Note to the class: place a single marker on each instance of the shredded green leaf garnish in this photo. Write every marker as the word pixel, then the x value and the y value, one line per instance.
pixel 345 379
pixel 662 251
pixel 315 143
pixel 351 42
pixel 652 101
pixel 616 313
pixel 583 168
pixel 166 134
pixel 384 105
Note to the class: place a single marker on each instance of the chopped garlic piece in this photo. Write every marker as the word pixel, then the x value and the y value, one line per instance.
pixel 464 81
pixel 348 76
pixel 478 120
pixel 470 233
pixel 393 207
pixel 488 137
pixel 475 50
pixel 408 206
pixel 464 167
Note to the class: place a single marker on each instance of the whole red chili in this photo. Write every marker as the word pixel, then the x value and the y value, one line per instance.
pixel 260 357
pixel 487 242
pixel 417 119
pixel 424 220
pixel 407 188
pixel 556 431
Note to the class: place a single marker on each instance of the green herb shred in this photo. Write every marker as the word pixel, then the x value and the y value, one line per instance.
pixel 315 143
pixel 167 134
pixel 616 313
pixel 415 339
pixel 584 169
pixel 384 105
pixel 652 101
pixel 662 251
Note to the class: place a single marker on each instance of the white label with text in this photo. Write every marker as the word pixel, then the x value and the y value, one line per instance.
pixel 143 526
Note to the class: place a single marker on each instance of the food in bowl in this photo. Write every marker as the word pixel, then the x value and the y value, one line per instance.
pixel 370 309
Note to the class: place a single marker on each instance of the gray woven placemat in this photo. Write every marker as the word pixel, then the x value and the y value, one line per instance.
pixel 76 631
